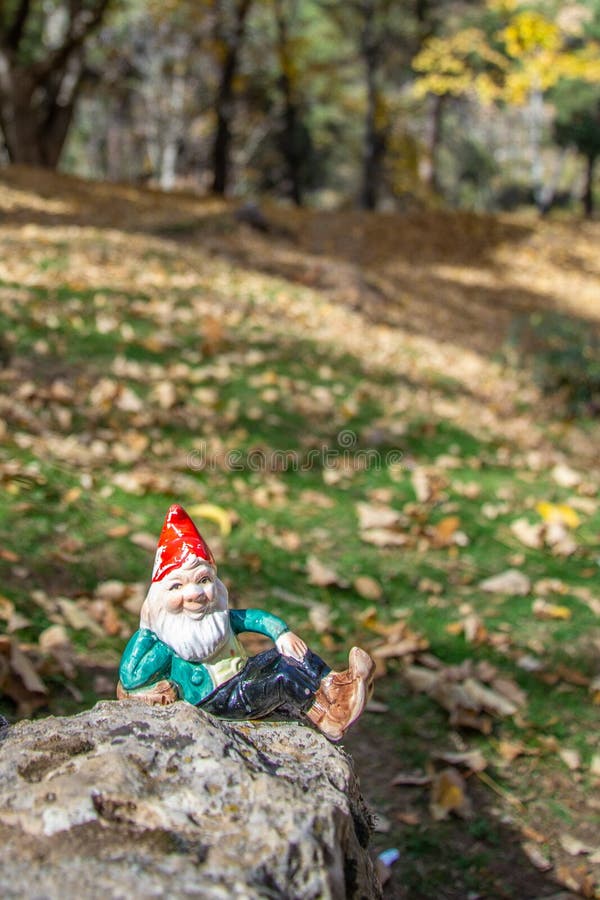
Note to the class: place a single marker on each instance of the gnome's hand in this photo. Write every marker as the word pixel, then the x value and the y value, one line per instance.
pixel 289 644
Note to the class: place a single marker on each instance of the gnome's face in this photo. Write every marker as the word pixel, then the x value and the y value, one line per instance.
pixel 190 589
pixel 187 610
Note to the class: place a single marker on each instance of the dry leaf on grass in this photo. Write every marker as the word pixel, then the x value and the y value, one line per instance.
pixel 77 617
pixel 470 703
pixel 571 759
pixel 573 846
pixel 367 587
pixel 565 476
pixel 511 582
pixel 449 795
pixel 54 642
pixel 377 516
pixel 19 679
pixel 319 616
pixel 531 535
pixel 323 575
pixel 560 513
pixel 384 537
pixel 544 610
pixel 579 880
pixel 511 750
pixel 536 857
pixel 224 518
pixel 144 540
pixel 469 759
pixel 411 779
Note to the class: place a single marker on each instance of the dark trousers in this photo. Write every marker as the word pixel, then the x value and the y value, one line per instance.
pixel 268 681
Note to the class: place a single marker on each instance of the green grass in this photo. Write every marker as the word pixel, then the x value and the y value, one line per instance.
pixel 282 394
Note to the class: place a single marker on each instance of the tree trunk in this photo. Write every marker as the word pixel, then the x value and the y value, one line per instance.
pixel 429 169
pixel 588 192
pixel 37 97
pixel 35 124
pixel 291 144
pixel 375 145
pixel 221 155
pixel 173 132
pixel 375 135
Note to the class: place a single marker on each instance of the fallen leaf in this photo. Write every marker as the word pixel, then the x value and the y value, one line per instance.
pixel 422 485
pixel 571 759
pixel 384 537
pixel 77 617
pixel 559 540
pixel 578 880
pixel 319 616
pixel 595 765
pixel 511 750
pixel 489 700
pixel 19 679
pixel 55 642
pixel 322 575
pixel 470 759
pixel 408 818
pixel 531 536
pixel 511 582
pixel 377 516
pixel 221 517
pixel 113 591
pixel 144 540
pixel 573 846
pixel 443 532
pixel 368 587
pixel 375 706
pixel 558 513
pixel 533 835
pixel 565 476
pixel 510 689
pixel 544 610
pixel 411 779
pixel 449 795
pixel 536 857
pixel 397 649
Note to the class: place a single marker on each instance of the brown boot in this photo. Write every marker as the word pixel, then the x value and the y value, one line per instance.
pixel 342 696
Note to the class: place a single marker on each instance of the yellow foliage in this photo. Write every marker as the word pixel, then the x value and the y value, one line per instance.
pixel 528 32
pixel 535 57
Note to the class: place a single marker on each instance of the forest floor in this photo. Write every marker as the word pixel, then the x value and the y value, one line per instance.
pixel 386 426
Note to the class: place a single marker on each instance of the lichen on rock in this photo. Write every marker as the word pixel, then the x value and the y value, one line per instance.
pixel 126 801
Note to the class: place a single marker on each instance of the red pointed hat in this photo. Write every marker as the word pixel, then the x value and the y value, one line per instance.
pixel 178 539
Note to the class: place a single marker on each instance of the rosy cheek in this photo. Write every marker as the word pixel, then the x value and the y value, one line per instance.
pixel 175 602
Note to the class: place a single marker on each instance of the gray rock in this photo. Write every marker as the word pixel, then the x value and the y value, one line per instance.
pixel 128 801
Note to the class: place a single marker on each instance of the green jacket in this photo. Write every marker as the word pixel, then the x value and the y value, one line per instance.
pixel 147 660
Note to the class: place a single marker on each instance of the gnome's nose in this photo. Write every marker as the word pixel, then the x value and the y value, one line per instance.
pixel 193 592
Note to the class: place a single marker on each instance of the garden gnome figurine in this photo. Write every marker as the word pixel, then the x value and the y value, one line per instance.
pixel 187 648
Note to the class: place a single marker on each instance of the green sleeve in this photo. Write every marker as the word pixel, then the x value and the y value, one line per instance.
pixel 145 660
pixel 257 620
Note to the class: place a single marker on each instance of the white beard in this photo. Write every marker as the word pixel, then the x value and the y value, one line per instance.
pixel 196 640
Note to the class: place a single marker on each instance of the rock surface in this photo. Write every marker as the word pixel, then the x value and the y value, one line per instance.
pixel 128 801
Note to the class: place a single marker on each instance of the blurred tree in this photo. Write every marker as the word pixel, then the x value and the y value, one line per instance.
pixel 577 124
pixel 229 31
pixel 514 55
pixel 42 67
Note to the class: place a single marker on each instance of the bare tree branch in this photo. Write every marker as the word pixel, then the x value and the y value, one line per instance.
pixel 83 23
